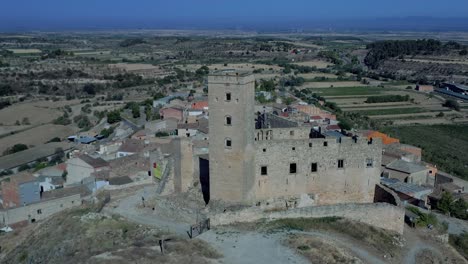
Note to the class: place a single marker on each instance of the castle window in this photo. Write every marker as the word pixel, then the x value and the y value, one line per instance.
pixel 369 163
pixel 264 150
pixel 293 168
pixel 325 143
pixel 310 145
pixel 228 97
pixel 228 143
pixel 293 148
pixel 228 120
pixel 291 133
pixel 264 170
pixel 39 211
pixel 313 167
pixel 340 164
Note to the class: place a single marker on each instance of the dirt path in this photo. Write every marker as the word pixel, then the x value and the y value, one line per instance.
pixel 129 208
pixel 251 247
pixel 362 253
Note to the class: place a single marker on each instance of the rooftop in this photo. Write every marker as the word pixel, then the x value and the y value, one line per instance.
pixel 94 162
pixel 26 156
pixel 403 166
pixel 406 188
pixel 132 146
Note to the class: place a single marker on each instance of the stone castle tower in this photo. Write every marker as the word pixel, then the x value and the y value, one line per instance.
pixel 231 100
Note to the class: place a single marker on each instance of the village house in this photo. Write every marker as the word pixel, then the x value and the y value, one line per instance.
pixel 175 112
pixel 83 167
pixel 408 172
pixel 22 189
pixel 130 147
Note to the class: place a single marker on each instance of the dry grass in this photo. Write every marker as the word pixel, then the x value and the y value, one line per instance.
pixel 84 236
pixel 134 66
pixel 36 113
pixel 330 84
pixel 317 250
pixel 25 51
pixel 315 63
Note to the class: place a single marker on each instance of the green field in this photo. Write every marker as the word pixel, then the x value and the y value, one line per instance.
pixel 444 145
pixel 360 90
pixel 392 111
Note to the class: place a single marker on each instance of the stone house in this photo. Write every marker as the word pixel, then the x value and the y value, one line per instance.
pixel 130 147
pixel 83 167
pixel 409 172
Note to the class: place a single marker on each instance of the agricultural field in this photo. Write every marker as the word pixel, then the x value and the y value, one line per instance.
pixel 35 113
pixel 347 91
pixel 443 145
pixel 411 107
pixel 37 135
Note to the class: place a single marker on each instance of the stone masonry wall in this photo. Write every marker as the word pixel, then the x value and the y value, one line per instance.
pixel 354 183
pixel 39 211
pixel 381 215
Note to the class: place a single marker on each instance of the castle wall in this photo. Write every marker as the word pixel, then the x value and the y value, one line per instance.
pixel 354 183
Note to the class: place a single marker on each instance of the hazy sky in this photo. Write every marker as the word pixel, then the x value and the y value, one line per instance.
pixel 207 9
pixel 35 12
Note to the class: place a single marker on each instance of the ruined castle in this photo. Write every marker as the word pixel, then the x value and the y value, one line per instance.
pixel 255 158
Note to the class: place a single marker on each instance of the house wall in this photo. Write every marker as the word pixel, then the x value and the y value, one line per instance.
pixel 182 132
pixel 29 192
pixel 419 177
pixel 77 171
pixel 39 211
pixel 10 194
pixel 330 184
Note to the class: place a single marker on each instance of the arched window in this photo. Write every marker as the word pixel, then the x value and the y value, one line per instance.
pixel 228 143
pixel 228 120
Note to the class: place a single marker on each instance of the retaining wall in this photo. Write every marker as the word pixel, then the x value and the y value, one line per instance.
pixel 381 215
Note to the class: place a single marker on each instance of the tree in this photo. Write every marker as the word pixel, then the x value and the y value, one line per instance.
pixel 459 209
pixel 15 148
pixel 89 89
pixel 445 203
pixel 113 117
pixel 450 103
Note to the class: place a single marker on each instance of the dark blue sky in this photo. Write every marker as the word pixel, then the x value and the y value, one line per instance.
pixel 151 12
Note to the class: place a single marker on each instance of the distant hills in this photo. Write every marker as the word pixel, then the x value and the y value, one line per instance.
pixel 270 25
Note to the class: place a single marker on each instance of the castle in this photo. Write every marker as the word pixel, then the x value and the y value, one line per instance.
pixel 256 157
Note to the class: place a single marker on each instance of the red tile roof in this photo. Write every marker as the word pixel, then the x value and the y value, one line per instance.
pixel 200 105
